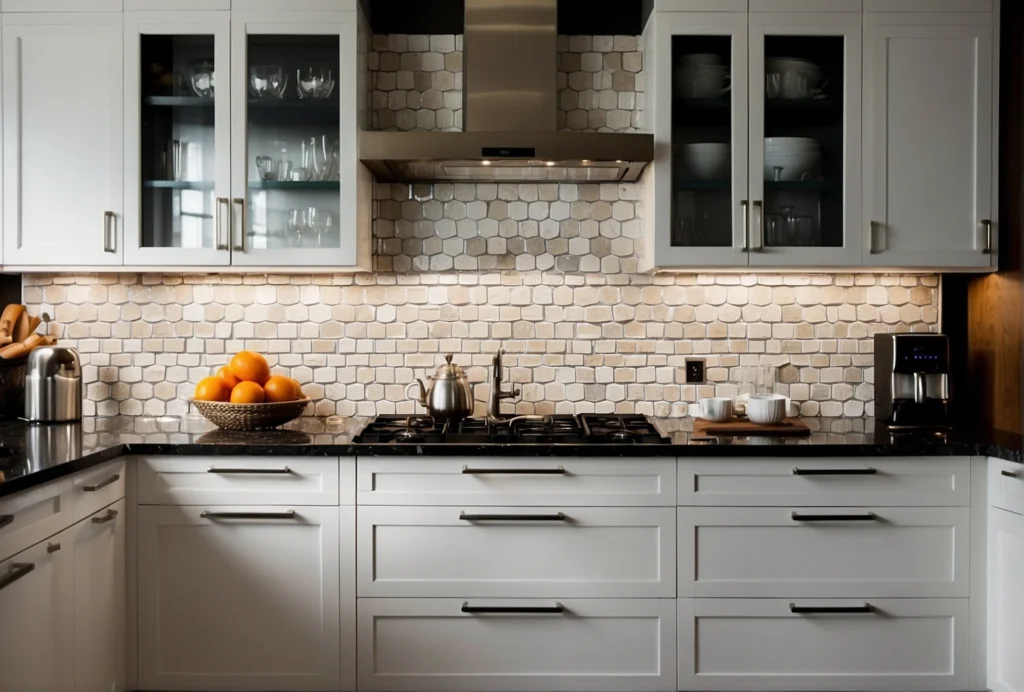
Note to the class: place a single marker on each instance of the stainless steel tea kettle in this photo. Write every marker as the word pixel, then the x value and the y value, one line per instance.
pixel 450 396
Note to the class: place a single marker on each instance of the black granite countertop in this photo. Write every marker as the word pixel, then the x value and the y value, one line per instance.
pixel 31 455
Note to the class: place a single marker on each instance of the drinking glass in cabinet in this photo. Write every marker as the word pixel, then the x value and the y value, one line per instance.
pixel 702 115
pixel 803 141
pixel 178 146
pixel 293 135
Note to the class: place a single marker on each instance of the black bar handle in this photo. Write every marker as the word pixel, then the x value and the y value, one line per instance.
pixel 513 517
pixel 835 472
pixel 17 572
pixel 280 471
pixel 556 609
pixel 559 471
pixel 1010 474
pixel 102 484
pixel 6 519
pixel 867 516
pixel 830 610
pixel 290 514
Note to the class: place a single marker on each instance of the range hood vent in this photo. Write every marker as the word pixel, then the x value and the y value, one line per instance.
pixel 510 114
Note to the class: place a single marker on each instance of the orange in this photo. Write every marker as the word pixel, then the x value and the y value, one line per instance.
pixel 249 367
pixel 247 393
pixel 281 388
pixel 229 379
pixel 212 389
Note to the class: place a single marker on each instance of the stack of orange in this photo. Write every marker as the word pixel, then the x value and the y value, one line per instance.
pixel 246 379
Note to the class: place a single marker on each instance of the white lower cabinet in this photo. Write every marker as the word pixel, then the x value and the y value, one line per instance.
pixel 240 598
pixel 882 552
pixel 460 645
pixel 36 618
pixel 1005 601
pixel 516 552
pixel 895 645
pixel 100 600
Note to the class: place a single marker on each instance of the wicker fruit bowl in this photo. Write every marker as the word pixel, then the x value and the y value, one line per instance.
pixel 249 417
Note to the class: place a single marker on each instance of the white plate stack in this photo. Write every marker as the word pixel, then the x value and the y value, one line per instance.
pixel 701 76
pixel 797 157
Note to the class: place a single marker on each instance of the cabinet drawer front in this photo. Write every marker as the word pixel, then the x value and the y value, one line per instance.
pixel 917 482
pixel 242 602
pixel 760 644
pixel 442 551
pixel 824 552
pixel 238 481
pixel 96 488
pixel 34 515
pixel 1006 485
pixel 517 481
pixel 595 645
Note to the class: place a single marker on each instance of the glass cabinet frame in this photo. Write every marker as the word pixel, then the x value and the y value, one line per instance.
pixel 204 23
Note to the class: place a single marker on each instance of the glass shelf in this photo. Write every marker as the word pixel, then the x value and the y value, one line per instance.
pixel 802 186
pixel 294 185
pixel 178 184
pixel 178 101
pixel 288 103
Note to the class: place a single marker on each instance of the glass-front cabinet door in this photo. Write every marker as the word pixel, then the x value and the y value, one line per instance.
pixel 177 138
pixel 700 125
pixel 805 139
pixel 293 137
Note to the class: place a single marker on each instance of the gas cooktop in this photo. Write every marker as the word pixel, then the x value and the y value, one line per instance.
pixel 583 429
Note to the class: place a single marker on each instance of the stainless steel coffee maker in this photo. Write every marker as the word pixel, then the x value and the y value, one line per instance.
pixel 912 380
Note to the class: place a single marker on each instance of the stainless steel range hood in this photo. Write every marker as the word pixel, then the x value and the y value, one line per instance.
pixel 510 101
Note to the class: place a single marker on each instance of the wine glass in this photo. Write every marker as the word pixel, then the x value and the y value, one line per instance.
pixel 314 82
pixel 298 223
pixel 267 81
pixel 319 222
pixel 201 77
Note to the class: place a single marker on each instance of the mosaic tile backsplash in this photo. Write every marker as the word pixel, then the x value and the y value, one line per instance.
pixel 416 83
pixel 576 342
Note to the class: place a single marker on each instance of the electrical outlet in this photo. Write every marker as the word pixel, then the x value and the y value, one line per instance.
pixel 694 371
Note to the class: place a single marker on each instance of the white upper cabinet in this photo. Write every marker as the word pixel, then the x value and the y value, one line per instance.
pixel 61 5
pixel 62 146
pixel 805 139
pixel 300 197
pixel 177 138
pixel 930 168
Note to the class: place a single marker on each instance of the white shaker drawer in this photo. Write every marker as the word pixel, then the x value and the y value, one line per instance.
pixel 96 488
pixel 1006 485
pixel 510 552
pixel 224 480
pixel 34 515
pixel 435 645
pixel 884 645
pixel 517 481
pixel 882 552
pixel 916 482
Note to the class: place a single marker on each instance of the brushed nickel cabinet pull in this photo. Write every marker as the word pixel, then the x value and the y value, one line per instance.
pixel 223 231
pixel 746 227
pixel 18 570
pixel 52 548
pixel 102 484
pixel 109 516
pixel 867 516
pixel 109 232
pixel 557 471
pixel 1010 474
pixel 986 224
pixel 556 609
pixel 513 517
pixel 239 223
pixel 280 471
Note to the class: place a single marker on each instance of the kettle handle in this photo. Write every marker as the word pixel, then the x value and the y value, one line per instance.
pixel 419 397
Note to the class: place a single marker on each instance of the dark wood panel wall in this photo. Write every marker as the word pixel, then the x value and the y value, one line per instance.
pixel 991 391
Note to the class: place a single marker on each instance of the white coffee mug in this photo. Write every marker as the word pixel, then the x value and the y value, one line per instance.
pixel 716 409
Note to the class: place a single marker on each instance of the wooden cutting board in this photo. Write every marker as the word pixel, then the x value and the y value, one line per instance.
pixel 742 426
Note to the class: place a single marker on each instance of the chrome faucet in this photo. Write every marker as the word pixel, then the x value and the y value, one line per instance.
pixel 497 394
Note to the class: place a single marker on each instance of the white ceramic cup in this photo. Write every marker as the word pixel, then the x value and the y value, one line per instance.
pixel 766 409
pixel 716 409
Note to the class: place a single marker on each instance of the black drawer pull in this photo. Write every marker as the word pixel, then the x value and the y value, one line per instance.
pixel 559 471
pixel 17 572
pixel 1010 474
pixel 513 517
pixel 281 471
pixel 102 484
pixel 290 514
pixel 830 610
pixel 835 472
pixel 6 519
pixel 513 610
pixel 868 516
